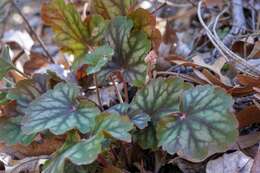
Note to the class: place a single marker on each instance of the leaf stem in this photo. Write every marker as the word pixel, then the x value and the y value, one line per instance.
pixel 33 32
pixel 8 81
pixel 98 92
pixel 125 87
pixel 117 90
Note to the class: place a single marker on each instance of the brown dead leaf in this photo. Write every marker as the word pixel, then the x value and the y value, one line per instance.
pixel 8 110
pixel 242 48
pixel 248 80
pixel 246 141
pixel 248 116
pixel 214 3
pixel 36 62
pixel 112 169
pixel 45 147
pixel 216 67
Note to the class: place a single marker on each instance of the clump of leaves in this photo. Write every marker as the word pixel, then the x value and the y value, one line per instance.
pixel 165 113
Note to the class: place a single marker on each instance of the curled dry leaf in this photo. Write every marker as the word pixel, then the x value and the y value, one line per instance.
pixel 231 163
pixel 256 165
pixel 36 62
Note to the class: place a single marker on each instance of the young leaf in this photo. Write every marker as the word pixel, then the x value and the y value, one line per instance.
pixel 71 33
pixel 159 98
pixel 112 8
pixel 5 62
pixel 82 153
pixel 114 125
pixel 143 21
pixel 11 133
pixel 59 111
pixel 97 59
pixel 130 50
pixel 206 125
pixel 146 22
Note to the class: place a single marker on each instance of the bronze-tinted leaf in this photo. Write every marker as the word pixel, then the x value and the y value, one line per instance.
pixel 112 8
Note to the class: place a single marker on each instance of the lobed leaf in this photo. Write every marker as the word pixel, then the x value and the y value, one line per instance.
pixel 71 33
pixel 81 153
pixel 59 111
pixel 159 98
pixel 143 21
pixel 130 50
pixel 114 125
pixel 205 127
pixel 97 59
pixel 112 8
pixel 11 133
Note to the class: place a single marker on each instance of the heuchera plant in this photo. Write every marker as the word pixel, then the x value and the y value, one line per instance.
pixel 166 115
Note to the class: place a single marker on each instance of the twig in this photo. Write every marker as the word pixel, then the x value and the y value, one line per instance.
pixel 98 92
pixel 177 5
pixel 186 77
pixel 158 8
pixel 238 25
pixel 33 32
pixel 18 56
pixel 227 53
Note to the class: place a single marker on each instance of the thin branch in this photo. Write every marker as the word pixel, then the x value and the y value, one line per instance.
pixel 158 8
pixel 185 77
pixel 18 56
pixel 33 32
pixel 227 53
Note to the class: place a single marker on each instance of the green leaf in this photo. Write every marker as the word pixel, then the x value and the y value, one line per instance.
pixel 130 50
pixel 140 119
pixel 11 133
pixel 3 98
pixel 159 98
pixel 91 168
pixel 59 111
pixel 83 153
pixel 97 59
pixel 24 93
pixel 112 8
pixel 205 126
pixel 5 62
pixel 71 33
pixel 146 138
pixel 114 125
